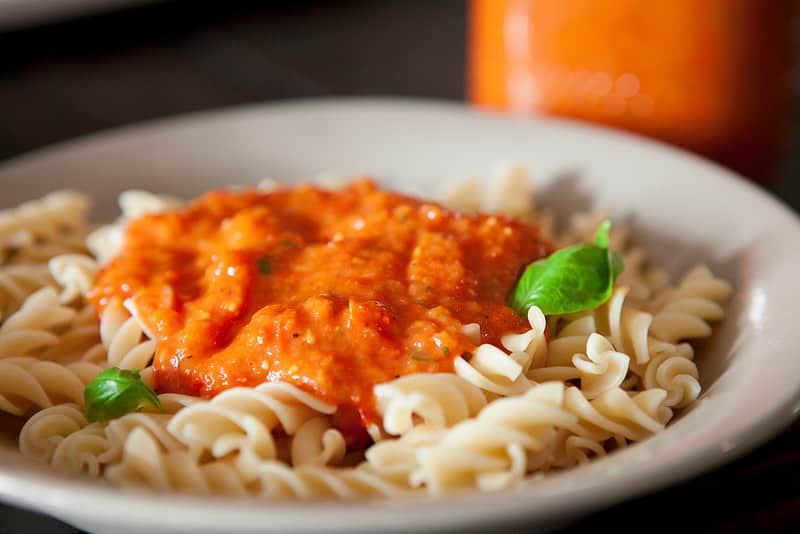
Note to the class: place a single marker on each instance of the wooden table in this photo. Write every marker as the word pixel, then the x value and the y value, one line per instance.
pixel 69 79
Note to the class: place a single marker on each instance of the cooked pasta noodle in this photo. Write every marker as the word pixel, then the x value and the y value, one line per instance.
pixel 28 384
pixel 569 389
pixel 44 218
pixel 42 311
pixel 25 249
pixel 80 341
pixel 684 312
pixel 146 464
pixel 46 429
pixel 75 273
pixel 435 399
pixel 127 345
pixel 490 451
pixel 492 369
pixel 18 281
pixel 317 442
pixel 601 368
pixel 244 418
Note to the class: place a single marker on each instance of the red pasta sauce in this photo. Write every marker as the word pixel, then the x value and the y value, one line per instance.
pixel 333 292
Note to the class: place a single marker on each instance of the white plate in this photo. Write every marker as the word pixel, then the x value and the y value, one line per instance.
pixel 684 210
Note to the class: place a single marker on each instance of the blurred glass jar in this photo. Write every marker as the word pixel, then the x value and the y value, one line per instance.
pixel 713 76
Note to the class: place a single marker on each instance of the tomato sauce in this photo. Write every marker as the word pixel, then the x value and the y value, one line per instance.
pixel 333 292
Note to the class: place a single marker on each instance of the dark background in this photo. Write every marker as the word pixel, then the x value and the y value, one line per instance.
pixel 76 77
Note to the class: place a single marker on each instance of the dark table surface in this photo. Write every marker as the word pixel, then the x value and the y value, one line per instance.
pixel 71 78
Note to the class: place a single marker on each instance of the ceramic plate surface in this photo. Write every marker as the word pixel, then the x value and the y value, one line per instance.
pixel 683 209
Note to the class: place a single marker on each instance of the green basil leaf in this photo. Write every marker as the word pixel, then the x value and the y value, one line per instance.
pixel 573 279
pixel 115 392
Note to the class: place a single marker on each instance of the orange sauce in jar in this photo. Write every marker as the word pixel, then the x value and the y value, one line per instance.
pixel 713 76
pixel 333 292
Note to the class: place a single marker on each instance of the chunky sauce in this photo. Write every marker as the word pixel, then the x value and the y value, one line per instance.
pixel 332 292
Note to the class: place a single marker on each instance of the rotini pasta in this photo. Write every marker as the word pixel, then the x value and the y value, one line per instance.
pixel 19 281
pixel 491 450
pixel 145 464
pixel 33 325
pixel 436 399
pixel 501 373
pixel 28 384
pixel 684 312
pixel 75 273
pixel 46 429
pixel 557 392
pixel 44 218
pixel 127 345
pixel 242 419
pixel 80 341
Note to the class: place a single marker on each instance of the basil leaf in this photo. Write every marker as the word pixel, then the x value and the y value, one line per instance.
pixel 573 279
pixel 115 392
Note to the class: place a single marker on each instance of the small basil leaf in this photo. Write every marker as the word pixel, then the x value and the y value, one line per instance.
pixel 573 279
pixel 115 392
pixel 570 280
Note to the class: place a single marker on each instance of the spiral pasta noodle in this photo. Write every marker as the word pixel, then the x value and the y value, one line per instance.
pixel 438 399
pixel 28 384
pixel 80 342
pixel 146 464
pixel 601 368
pixel 75 274
pixel 61 435
pixel 18 282
pixel 496 371
pixel 48 428
pixel 126 343
pixel 242 419
pixel 35 323
pixel 46 217
pixel 685 312
pixel 490 451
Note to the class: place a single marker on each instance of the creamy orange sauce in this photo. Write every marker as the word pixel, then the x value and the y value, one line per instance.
pixel 334 292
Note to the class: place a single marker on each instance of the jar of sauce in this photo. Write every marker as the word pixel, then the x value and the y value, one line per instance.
pixel 713 76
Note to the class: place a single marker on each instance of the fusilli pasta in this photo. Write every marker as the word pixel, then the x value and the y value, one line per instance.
pixel 569 389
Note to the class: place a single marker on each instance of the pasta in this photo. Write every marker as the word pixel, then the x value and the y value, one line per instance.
pixel 28 384
pixel 436 399
pixel 491 450
pixel 242 419
pixel 80 341
pixel 75 274
pixel 18 281
pixel 127 345
pixel 561 391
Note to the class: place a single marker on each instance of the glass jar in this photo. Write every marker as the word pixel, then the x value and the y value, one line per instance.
pixel 713 76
